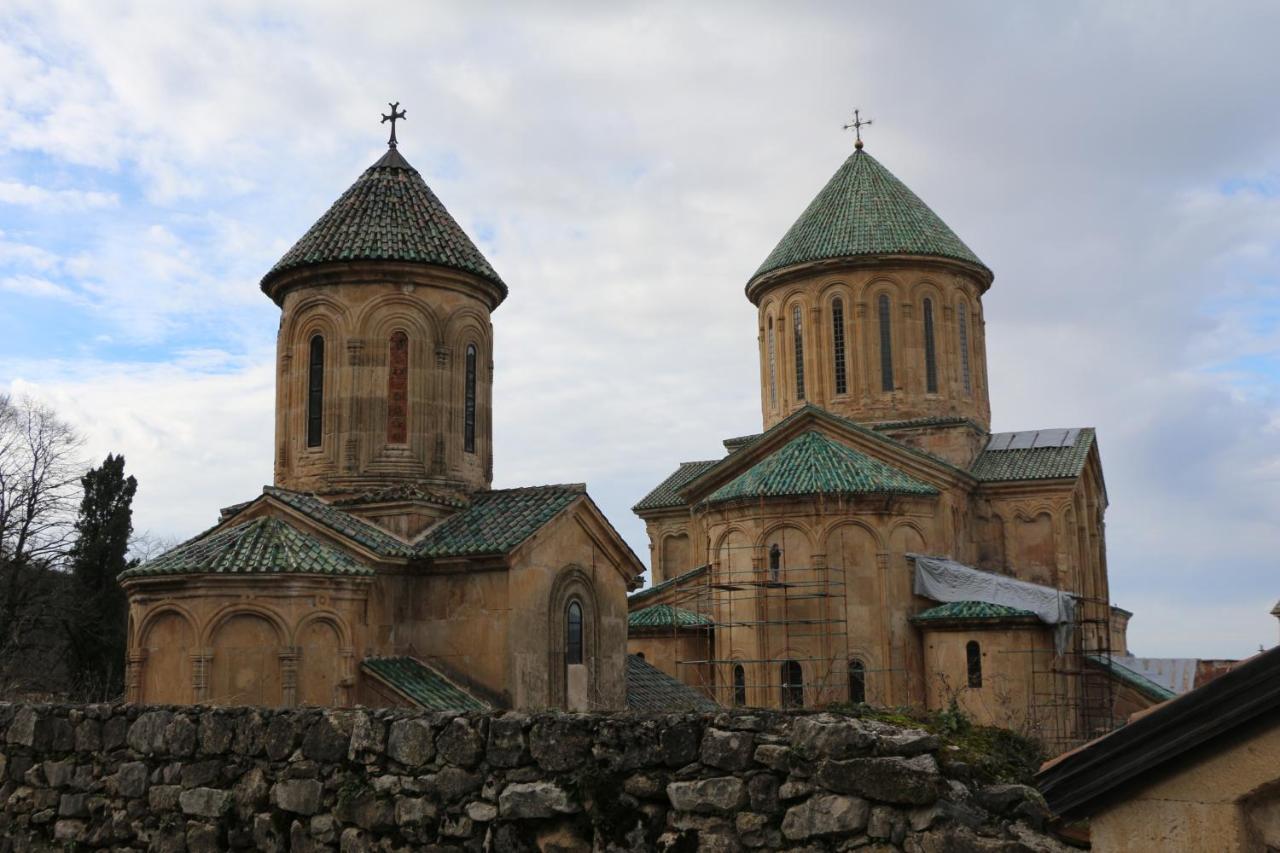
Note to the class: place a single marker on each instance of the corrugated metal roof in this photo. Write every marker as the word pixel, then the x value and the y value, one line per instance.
pixel 1176 674
pixel 1134 679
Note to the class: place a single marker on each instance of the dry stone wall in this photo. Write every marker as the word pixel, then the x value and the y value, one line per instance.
pixel 126 777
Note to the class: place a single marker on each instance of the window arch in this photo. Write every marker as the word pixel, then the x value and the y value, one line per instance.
pixel 930 355
pixel 739 686
pixel 773 366
pixel 469 410
pixel 962 319
pixel 398 388
pixel 792 684
pixel 837 340
pixel 798 324
pixel 315 392
pixel 573 633
pixel 857 681
pixel 973 657
pixel 775 563
pixel 886 343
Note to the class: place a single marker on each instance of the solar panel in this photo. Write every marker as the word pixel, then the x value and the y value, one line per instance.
pixel 1072 435
pixel 1023 440
pixel 1000 441
pixel 1050 438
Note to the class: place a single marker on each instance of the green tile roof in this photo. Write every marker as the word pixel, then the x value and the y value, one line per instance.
pixel 649 592
pixel 343 523
pixel 666 616
pixel 651 689
pixel 1038 463
pixel 1134 679
pixel 388 214
pixel 864 211
pixel 667 492
pixel 497 521
pixel 965 610
pixel 257 546
pixel 813 464
pixel 419 682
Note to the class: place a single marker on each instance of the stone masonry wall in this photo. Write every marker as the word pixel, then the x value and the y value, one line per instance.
pixel 125 777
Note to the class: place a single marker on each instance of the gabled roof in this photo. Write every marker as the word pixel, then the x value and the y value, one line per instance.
pixel 971 611
pixel 497 521
pixel 388 214
pixel 1080 782
pixel 343 523
pixel 1047 454
pixel 1132 677
pixel 262 545
pixel 865 211
pixel 666 616
pixel 813 464
pixel 651 689
pixel 670 583
pixel 666 494
pixel 422 684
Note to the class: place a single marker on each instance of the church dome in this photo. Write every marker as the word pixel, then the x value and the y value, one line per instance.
pixel 864 211
pixel 388 214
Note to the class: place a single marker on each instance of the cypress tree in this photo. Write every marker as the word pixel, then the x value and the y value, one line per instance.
pixel 97 629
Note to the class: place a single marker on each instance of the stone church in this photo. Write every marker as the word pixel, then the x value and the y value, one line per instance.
pixel 381 568
pixel 876 542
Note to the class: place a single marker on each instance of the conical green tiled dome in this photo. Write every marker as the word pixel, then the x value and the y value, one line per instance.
pixel 864 210
pixel 388 214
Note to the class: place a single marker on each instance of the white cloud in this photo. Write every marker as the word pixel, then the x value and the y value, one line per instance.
pixel 12 192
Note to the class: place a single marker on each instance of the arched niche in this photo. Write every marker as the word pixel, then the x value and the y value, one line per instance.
pixel 245 667
pixel 169 642
pixel 675 555
pixel 320 664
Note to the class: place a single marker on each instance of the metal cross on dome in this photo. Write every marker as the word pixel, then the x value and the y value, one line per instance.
pixel 857 124
pixel 396 113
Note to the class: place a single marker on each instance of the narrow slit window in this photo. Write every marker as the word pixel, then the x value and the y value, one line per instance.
pixel 773 367
pixel 857 681
pixel 573 634
pixel 973 657
pixel 739 686
pixel 962 313
pixel 799 334
pixel 837 339
pixel 775 563
pixel 469 412
pixel 930 355
pixel 792 685
pixel 315 392
pixel 398 389
pixel 886 344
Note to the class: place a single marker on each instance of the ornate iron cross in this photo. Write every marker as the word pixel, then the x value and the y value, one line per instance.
pixel 397 113
pixel 857 124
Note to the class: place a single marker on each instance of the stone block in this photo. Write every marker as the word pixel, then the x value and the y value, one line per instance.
pixel 727 750
pixel 904 781
pixel 163 798
pixel 828 736
pixel 368 737
pixel 726 794
pixel 481 812
pixel 508 746
pixel 280 738
pixel 147 733
pixel 561 742
pixel 459 743
pixel 411 742
pixel 412 811
pixel 327 740
pixel 131 779
pixel 205 802
pixel 534 800
pixel 215 732
pixel 300 796
pixel 823 815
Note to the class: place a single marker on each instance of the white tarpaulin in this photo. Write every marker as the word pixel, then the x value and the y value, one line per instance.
pixel 945 580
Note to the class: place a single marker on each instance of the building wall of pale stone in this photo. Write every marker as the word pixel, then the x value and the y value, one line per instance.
pixel 1013 659
pixel 357 308
pixel 674 651
pixel 268 640
pixel 953 290
pixel 1222 796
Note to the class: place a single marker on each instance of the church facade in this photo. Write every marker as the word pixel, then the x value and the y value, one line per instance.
pixel 381 568
pixel 875 542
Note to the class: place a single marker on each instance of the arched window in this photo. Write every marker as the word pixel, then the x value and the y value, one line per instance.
pixel 792 685
pixel 962 315
pixel 469 412
pixel 739 686
pixel 886 344
pixel 837 339
pixel 930 356
pixel 640 655
pixel 773 367
pixel 315 392
pixel 398 388
pixel 775 563
pixel 973 656
pixel 857 681
pixel 799 335
pixel 573 633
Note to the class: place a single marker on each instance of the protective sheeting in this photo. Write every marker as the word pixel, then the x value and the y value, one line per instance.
pixel 946 580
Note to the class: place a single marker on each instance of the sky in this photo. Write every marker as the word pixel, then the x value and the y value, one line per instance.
pixel 626 167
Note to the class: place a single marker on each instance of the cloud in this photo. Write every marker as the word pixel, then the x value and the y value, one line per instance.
pixel 627 168
pixel 12 192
